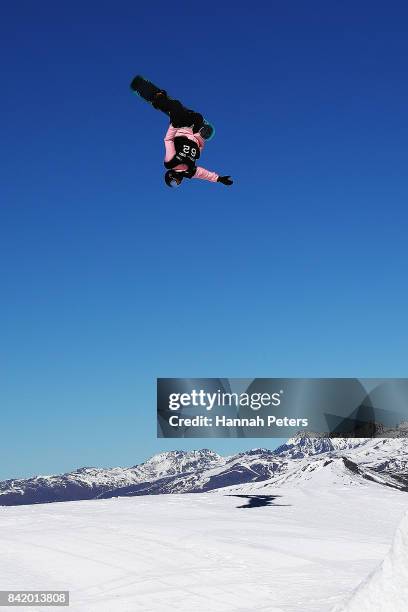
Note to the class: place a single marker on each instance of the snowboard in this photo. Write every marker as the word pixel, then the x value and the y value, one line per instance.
pixel 148 91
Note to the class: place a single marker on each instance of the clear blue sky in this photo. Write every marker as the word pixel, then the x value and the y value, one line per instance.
pixel 109 279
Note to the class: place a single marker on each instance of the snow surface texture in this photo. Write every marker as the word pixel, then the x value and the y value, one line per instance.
pixel 386 589
pixel 305 552
pixel 291 530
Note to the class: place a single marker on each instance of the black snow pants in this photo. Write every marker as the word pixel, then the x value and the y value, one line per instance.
pixel 180 116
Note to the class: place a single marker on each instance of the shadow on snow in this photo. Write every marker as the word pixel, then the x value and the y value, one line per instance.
pixel 256 501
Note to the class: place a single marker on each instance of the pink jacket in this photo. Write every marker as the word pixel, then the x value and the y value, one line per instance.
pixel 186 132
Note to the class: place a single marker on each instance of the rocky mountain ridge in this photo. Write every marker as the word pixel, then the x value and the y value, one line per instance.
pixel 384 461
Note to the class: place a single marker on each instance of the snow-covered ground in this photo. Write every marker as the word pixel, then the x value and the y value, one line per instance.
pixel 201 552
pixel 386 589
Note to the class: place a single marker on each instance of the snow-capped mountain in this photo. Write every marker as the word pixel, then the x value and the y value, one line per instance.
pixel 305 445
pixel 339 461
pixel 301 459
pixel 90 482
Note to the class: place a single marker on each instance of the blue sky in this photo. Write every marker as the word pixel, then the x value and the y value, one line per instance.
pixel 109 279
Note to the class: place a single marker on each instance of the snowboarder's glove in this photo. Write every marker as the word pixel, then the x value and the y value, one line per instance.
pixel 225 180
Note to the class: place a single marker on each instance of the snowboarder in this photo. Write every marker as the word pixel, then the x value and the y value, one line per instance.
pixel 184 142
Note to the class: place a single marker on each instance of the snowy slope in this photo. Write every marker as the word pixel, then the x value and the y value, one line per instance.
pixel 386 589
pixel 334 470
pixel 305 552
pixel 288 530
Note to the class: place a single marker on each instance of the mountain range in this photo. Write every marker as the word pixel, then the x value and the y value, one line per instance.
pixel 300 460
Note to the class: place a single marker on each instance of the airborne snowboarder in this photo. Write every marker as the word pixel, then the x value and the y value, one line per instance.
pixel 185 137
